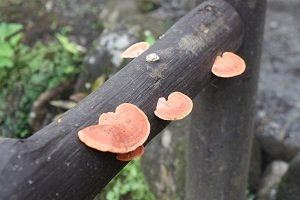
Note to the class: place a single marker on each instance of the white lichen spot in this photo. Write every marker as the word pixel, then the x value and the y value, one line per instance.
pixel 59 120
pixel 68 164
pixel 204 28
pixel 30 181
pixel 163 35
pixel 192 44
pixel 152 57
pixel 48 158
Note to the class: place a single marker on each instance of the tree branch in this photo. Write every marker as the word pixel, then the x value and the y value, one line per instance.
pixel 54 164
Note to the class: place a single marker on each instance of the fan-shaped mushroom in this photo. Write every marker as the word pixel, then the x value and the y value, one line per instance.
pixel 132 154
pixel 119 132
pixel 135 50
pixel 228 65
pixel 176 107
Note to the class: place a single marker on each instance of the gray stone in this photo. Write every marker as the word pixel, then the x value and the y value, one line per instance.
pixel 105 57
pixel 278 117
pixel 289 188
pixel 271 179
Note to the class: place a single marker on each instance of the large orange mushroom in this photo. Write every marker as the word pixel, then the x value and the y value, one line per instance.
pixel 135 50
pixel 120 132
pixel 228 65
pixel 132 154
pixel 176 107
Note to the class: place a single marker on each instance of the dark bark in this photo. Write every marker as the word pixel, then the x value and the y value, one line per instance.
pixel 222 121
pixel 54 164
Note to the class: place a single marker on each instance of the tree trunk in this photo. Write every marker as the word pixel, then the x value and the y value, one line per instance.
pixel 222 121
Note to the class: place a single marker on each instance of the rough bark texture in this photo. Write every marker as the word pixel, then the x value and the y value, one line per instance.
pixel 54 164
pixel 166 178
pixel 222 121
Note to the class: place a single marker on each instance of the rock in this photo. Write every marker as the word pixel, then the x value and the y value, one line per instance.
pixel 43 18
pixel 105 57
pixel 289 188
pixel 277 126
pixel 271 179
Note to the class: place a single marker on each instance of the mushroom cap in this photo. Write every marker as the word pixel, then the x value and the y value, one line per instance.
pixel 176 107
pixel 138 152
pixel 135 50
pixel 228 65
pixel 119 132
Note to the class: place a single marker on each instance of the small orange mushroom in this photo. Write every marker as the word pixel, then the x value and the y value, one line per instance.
pixel 119 132
pixel 176 107
pixel 138 152
pixel 228 65
pixel 135 50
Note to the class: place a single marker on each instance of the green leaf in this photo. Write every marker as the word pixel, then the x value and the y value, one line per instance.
pixel 69 70
pixel 63 104
pixel 69 46
pixel 14 40
pixel 6 62
pixel 98 82
pixel 7 30
pixel 149 37
pixel 6 50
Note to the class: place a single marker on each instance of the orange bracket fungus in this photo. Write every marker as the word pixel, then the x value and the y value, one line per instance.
pixel 135 50
pixel 176 107
pixel 121 131
pixel 132 154
pixel 228 65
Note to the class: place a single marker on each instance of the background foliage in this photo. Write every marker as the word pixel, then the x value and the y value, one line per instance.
pixel 27 71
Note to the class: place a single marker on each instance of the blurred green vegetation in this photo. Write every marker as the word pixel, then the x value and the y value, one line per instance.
pixel 27 71
pixel 250 196
pixel 128 184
